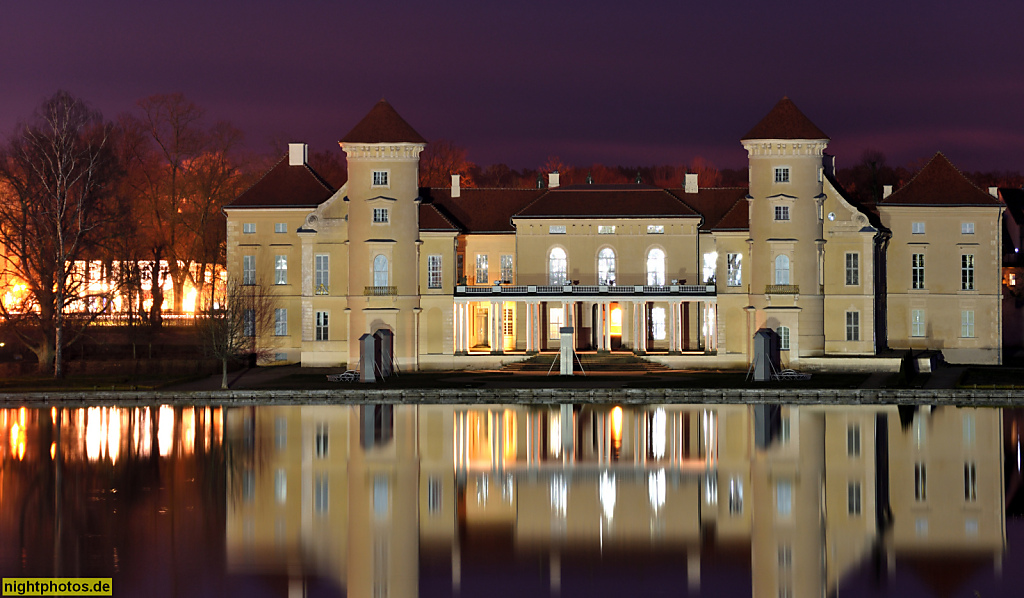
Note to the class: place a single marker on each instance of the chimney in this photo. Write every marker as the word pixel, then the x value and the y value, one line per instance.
pixel 296 154
pixel 994 192
pixel 553 179
pixel 456 190
pixel 691 183
pixel 886 191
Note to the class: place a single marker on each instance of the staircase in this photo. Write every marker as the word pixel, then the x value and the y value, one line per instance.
pixel 618 362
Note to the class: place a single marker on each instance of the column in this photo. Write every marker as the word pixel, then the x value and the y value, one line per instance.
pixel 673 311
pixel 529 326
pixel 497 333
pixel 607 331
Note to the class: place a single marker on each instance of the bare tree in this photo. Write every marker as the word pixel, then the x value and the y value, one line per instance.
pixel 440 160
pixel 243 328
pixel 55 177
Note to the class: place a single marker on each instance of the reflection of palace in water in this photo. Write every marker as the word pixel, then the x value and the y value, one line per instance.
pixel 808 494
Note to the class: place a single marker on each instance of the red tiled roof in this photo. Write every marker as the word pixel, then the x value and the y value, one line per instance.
pixel 431 218
pixel 597 201
pixel 939 183
pixel 285 186
pixel 481 210
pixel 785 121
pixel 723 208
pixel 383 125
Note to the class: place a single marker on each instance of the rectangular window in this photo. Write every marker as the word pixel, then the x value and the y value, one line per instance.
pixel 556 229
pixel 967 272
pixel 967 323
pixel 783 332
pixel 481 268
pixel 460 268
pixel 508 322
pixel 248 228
pixel 852 269
pixel 320 439
pixel 606 230
pixel 917 322
pixel 554 322
pixel 853 499
pixel 380 216
pixel 734 275
pixel 917 228
pixel 917 271
pixel 322 327
pixel 966 228
pixel 853 325
pixel 506 268
pixel 280 269
pixel 782 174
pixel 249 323
pixel 784 498
pixel 920 482
pixel 782 212
pixel 248 269
pixel 970 482
pixel 380 178
pixel 658 323
pixel 280 322
pixel 280 227
pixel 655 229
pixel 322 277
pixel 853 440
pixel 433 271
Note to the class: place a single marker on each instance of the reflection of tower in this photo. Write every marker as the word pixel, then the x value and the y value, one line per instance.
pixel 383 193
pixel 785 151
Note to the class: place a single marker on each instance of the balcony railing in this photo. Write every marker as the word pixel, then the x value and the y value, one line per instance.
pixel 782 289
pixel 380 291
pixel 571 289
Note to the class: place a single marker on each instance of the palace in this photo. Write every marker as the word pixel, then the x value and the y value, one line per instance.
pixel 473 278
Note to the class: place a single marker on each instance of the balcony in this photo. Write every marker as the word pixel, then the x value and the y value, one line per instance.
pixel 700 290
pixel 380 291
pixel 782 289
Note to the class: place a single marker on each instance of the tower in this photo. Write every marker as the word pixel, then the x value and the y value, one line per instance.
pixel 383 154
pixel 786 229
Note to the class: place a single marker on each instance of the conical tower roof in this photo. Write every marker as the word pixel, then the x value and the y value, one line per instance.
pixel 383 125
pixel 785 121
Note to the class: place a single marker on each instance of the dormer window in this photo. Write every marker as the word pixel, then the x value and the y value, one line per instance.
pixel 782 174
pixel 782 212
pixel 380 178
pixel 380 216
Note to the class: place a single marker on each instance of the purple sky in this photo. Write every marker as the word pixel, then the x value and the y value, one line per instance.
pixel 628 83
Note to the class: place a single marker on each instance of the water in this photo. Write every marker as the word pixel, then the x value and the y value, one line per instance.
pixel 446 500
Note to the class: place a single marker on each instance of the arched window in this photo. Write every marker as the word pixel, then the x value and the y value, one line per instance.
pixel 782 269
pixel 656 267
pixel 606 266
pixel 380 271
pixel 557 267
pixel 783 338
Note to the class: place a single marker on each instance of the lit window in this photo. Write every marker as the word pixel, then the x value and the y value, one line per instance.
pixel 917 228
pixel 783 332
pixel 507 273
pixel 920 482
pixel 917 271
pixel 782 174
pixel 853 440
pixel 734 275
pixel 852 269
pixel 782 212
pixel 280 227
pixel 380 178
pixel 966 228
pixel 280 322
pixel 782 269
pixel 249 228
pixel 555 320
pixel 606 230
pixel 280 269
pixel 606 267
pixel 248 269
pixel 557 267
pixel 556 229
pixel 380 216
pixel 853 499
pixel 655 229
pixel 322 326
pixel 967 272
pixel 656 267
pixel 967 323
pixel 970 482
pixel 658 323
pixel 481 268
pixel 917 322
pixel 380 271
pixel 853 325
pixel 433 271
